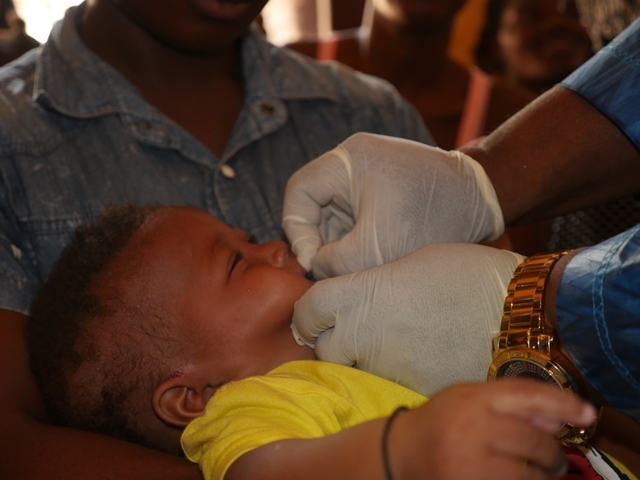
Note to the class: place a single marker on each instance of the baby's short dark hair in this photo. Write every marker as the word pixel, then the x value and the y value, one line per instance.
pixel 86 385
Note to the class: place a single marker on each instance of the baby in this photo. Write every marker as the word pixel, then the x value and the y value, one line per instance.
pixel 153 311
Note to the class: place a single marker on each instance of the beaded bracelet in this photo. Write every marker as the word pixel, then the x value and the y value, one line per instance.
pixel 385 437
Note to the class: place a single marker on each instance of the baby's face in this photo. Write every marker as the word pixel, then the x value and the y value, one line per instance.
pixel 233 299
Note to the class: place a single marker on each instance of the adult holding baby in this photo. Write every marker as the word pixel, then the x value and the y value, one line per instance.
pixel 178 102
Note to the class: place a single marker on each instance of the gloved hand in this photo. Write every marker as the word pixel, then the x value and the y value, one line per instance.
pixel 380 198
pixel 425 321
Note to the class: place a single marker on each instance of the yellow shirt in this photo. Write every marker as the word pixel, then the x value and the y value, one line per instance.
pixel 302 399
pixel 312 399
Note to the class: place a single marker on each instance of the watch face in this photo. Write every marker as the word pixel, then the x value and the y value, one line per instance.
pixel 527 363
pixel 522 368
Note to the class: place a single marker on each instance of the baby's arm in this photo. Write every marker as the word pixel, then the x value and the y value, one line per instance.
pixel 496 430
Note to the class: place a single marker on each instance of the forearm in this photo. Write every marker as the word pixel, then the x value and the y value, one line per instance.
pixel 559 154
pixel 470 431
pixel 353 453
pixel 30 448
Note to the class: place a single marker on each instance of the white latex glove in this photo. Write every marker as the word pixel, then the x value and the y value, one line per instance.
pixel 425 321
pixel 380 198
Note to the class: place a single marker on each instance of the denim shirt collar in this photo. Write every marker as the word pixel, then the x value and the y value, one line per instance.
pixel 72 80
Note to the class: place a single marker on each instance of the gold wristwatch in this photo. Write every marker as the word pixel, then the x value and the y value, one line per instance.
pixel 527 347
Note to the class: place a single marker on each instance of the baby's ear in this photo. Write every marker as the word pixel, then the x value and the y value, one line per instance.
pixel 180 399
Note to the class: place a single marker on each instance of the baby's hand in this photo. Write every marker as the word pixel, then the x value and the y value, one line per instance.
pixel 494 430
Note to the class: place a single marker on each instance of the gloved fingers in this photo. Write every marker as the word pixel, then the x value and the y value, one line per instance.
pixel 337 221
pixel 330 346
pixel 336 258
pixel 309 204
pixel 316 311
pixel 305 240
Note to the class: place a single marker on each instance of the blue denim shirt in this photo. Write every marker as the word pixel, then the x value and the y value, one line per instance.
pixel 598 302
pixel 610 81
pixel 76 136
pixel 598 309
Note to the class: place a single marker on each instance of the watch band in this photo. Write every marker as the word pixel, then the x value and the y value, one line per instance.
pixel 523 320
pixel 523 326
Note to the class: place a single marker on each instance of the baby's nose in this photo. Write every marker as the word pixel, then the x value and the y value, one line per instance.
pixel 274 253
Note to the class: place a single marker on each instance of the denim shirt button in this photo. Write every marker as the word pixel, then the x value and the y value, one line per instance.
pixel 267 108
pixel 228 172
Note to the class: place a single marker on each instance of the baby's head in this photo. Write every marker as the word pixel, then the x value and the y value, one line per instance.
pixel 151 309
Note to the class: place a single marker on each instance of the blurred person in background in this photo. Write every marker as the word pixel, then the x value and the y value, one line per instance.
pixel 533 43
pixel 14 40
pixel 536 44
pixel 406 42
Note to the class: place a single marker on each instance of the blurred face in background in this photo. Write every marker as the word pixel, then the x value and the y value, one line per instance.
pixel 541 41
pixel 419 13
